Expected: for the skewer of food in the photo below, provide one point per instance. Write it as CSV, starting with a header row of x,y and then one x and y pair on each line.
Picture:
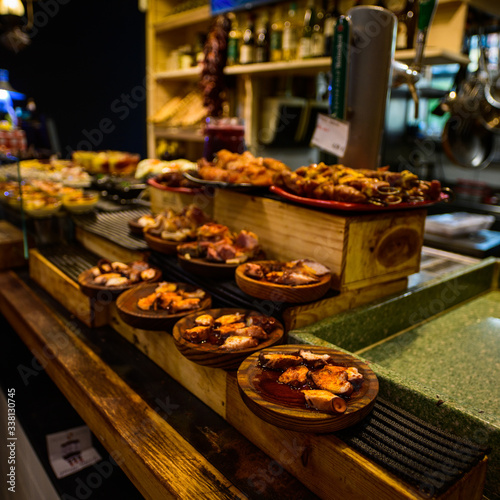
x,y
348,185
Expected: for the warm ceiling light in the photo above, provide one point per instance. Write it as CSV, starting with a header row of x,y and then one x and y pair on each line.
x,y
11,7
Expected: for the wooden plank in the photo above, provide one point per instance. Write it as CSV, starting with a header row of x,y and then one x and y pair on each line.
x,y
286,231
307,314
470,486
66,291
11,246
106,248
448,26
208,384
154,456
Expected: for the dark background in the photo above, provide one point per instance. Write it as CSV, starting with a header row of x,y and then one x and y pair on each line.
x,y
85,68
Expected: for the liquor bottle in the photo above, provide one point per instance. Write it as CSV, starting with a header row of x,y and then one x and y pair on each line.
x,y
276,37
331,16
318,35
305,42
290,34
234,41
406,12
262,38
247,49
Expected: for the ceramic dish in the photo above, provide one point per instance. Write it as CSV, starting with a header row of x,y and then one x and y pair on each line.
x,y
212,355
267,290
445,196
285,407
160,319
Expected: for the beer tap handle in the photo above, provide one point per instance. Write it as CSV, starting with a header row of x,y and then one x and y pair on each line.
x,y
427,9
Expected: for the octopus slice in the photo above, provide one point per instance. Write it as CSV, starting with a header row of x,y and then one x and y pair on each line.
x,y
166,287
184,305
230,329
229,318
325,401
196,334
148,274
119,281
252,331
314,360
353,374
120,267
332,378
237,343
277,361
148,302
294,376
102,279
204,320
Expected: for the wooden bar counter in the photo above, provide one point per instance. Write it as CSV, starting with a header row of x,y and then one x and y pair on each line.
x,y
156,455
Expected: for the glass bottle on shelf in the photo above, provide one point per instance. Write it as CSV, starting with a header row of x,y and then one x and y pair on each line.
x,y
234,41
199,54
276,37
331,16
262,38
318,35
305,42
290,34
406,12
247,49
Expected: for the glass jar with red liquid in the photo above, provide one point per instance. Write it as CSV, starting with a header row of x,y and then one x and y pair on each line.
x,y
223,133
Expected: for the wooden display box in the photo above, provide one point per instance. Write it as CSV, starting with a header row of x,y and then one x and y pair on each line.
x,y
361,250
322,462
66,291
11,246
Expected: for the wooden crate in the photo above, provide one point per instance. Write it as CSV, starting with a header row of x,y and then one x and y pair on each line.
x,y
324,463
11,246
66,291
361,250
162,199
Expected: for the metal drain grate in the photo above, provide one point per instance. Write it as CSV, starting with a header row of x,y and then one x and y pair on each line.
x,y
424,456
113,226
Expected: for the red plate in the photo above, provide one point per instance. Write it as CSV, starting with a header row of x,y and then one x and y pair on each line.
x,y
185,190
356,207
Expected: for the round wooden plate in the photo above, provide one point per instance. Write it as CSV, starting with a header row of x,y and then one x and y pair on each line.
x,y
161,245
105,293
213,355
207,269
285,407
135,227
281,293
152,320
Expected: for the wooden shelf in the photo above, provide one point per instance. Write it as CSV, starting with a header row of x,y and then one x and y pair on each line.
x,y
432,56
179,134
182,19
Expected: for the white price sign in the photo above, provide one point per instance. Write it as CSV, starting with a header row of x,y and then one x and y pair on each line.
x,y
331,135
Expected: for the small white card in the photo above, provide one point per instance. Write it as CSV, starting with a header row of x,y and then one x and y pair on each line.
x,y
331,135
71,451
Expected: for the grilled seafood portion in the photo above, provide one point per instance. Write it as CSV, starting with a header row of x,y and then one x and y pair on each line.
x,y
230,331
108,273
325,386
178,226
344,184
216,243
294,273
242,168
169,297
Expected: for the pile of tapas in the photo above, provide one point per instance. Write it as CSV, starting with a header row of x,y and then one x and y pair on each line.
x,y
157,306
115,277
217,250
222,338
336,184
307,388
173,227
301,280
234,169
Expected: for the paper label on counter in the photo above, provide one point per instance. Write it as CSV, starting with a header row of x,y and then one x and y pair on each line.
x,y
331,135
71,451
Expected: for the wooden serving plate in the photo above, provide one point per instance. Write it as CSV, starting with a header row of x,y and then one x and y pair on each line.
x,y
286,408
161,245
152,320
213,355
281,293
207,269
106,293
135,227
